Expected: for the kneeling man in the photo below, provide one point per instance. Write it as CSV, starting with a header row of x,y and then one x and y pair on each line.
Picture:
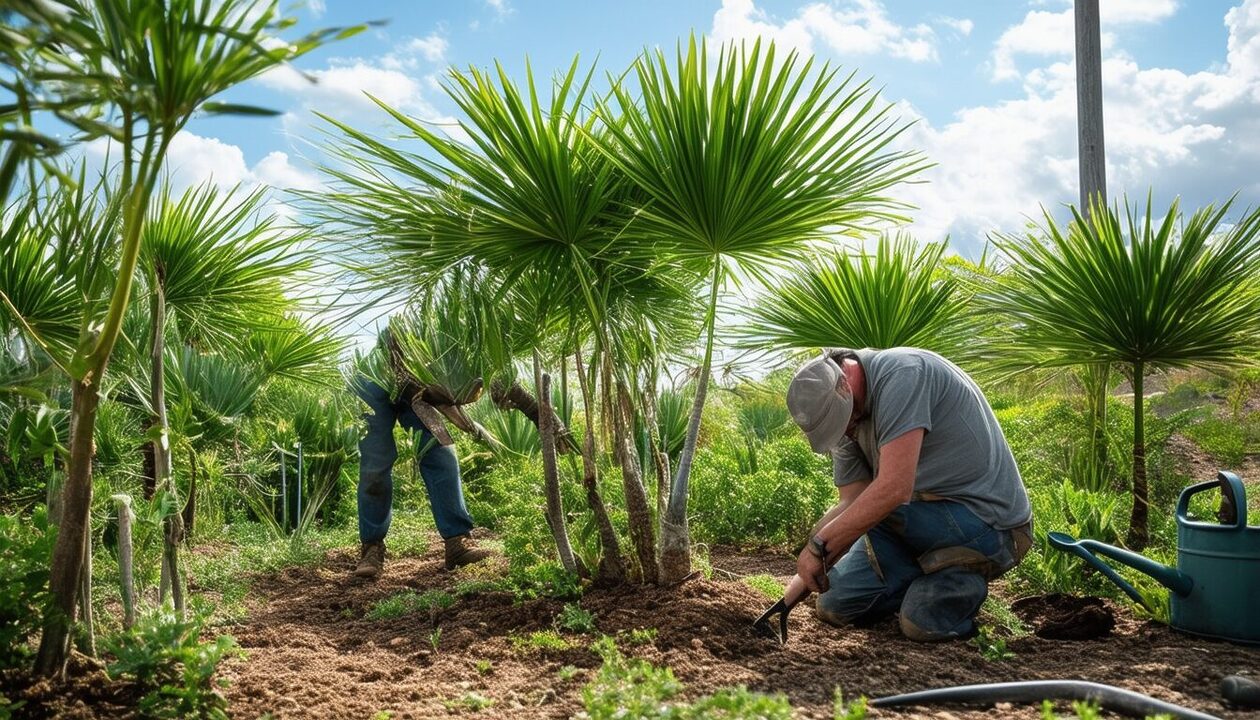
x,y
932,506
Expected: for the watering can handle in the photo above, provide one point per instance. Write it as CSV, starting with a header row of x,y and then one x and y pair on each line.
x,y
1233,495
1075,547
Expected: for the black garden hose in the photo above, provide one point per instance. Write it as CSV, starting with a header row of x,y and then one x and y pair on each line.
x,y
1241,691
1110,698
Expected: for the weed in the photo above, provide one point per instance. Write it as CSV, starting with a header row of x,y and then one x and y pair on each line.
x,y
540,641
638,636
766,585
383,715
483,667
469,701
567,673
407,602
166,657
1001,617
25,546
629,687
852,710
992,647
576,619
435,638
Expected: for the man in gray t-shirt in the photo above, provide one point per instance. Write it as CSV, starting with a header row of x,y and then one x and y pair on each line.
x,y
931,506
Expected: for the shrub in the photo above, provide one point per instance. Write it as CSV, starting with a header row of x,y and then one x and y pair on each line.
x,y
25,546
165,656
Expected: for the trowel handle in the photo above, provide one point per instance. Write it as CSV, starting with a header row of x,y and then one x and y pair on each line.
x,y
795,591
1232,493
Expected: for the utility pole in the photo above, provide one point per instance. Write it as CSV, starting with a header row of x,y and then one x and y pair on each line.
x,y
1089,107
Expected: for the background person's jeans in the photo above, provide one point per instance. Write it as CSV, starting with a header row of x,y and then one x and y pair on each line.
x,y
884,571
439,469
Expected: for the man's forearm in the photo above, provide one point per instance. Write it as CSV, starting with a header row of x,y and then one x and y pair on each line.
x,y
855,518
827,517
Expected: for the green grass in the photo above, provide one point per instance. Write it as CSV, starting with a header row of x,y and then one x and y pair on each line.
x,y
409,601
766,585
473,701
540,641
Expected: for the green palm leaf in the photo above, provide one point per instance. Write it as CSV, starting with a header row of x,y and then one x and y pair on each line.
x,y
901,294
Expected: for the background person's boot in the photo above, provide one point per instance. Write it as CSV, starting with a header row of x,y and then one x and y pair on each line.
x,y
461,550
372,559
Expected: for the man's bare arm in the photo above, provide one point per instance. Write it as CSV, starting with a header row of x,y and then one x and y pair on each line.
x,y
894,486
848,493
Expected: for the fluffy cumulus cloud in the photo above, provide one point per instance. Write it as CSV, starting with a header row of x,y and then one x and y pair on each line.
x,y
403,78
1052,33
193,159
850,28
1190,134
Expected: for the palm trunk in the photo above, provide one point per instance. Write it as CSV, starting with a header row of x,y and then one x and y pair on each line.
x,y
515,397
172,524
551,474
660,459
638,510
67,557
675,538
1138,537
612,568
87,637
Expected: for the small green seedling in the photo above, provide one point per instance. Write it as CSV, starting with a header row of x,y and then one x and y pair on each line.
x,y
484,667
540,641
992,647
638,636
567,673
853,710
469,701
766,585
435,637
574,618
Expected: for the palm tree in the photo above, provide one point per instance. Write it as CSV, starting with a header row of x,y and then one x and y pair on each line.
x,y
529,201
151,64
218,268
901,294
740,170
1135,291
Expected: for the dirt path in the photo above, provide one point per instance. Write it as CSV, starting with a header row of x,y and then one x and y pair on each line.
x,y
312,653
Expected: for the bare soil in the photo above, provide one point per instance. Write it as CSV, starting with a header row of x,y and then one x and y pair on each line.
x,y
313,654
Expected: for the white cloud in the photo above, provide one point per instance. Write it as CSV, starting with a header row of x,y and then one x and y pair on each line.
x,y
962,26
431,47
1189,134
854,27
1046,33
501,7
401,78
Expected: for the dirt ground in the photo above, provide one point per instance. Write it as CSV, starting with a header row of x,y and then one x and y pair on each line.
x,y
312,653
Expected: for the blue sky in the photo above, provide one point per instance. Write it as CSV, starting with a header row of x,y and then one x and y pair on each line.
x,y
989,83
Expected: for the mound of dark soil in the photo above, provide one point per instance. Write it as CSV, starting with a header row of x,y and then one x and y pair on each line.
x,y
1058,616
87,692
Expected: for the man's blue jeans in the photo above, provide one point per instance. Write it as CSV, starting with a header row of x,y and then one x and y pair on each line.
x,y
931,562
439,469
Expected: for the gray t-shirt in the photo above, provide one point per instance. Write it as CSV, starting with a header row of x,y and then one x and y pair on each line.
x,y
964,455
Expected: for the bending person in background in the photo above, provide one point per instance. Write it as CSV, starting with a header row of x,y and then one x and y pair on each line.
x,y
932,506
439,468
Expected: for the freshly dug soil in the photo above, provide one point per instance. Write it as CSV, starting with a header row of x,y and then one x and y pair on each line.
x,y
313,654
87,693
1058,616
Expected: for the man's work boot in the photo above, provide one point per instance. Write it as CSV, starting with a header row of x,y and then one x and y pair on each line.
x,y
371,560
461,550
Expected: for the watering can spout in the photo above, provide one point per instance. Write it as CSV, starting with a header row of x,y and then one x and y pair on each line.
x,y
1171,578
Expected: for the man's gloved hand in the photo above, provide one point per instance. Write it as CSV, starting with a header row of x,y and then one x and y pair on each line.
x,y
813,570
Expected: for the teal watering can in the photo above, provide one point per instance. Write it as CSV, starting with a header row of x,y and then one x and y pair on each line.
x,y
1216,584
